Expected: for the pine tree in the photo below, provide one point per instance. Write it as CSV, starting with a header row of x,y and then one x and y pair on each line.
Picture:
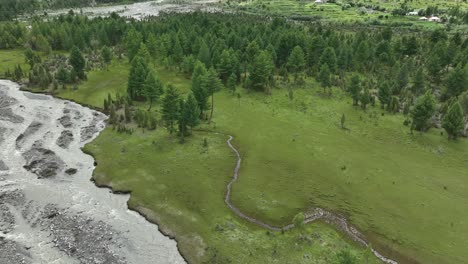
x,y
453,121
418,82
423,111
153,87
190,112
77,61
132,41
178,53
365,98
137,77
204,54
170,107
212,85
355,88
296,61
385,93
260,72
457,81
231,83
324,77
152,45
144,53
225,66
402,77
198,86
106,54
329,57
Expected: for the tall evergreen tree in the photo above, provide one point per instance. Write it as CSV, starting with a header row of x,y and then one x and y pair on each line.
x,y
212,84
355,88
423,111
137,77
457,81
152,45
365,98
106,54
204,54
171,107
132,42
418,82
325,76
385,93
329,57
190,113
296,61
261,71
77,61
153,87
231,83
453,121
198,86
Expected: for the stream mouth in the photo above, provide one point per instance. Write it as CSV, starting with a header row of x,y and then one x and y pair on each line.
x,y
50,211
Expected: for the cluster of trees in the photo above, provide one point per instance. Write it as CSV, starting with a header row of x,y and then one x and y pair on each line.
x,y
226,50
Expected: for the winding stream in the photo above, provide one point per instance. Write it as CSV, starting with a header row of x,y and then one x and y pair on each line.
x,y
50,211
338,221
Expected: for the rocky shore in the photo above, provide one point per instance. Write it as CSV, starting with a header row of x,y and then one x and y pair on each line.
x,y
50,211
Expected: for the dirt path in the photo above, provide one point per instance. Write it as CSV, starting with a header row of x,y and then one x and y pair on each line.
x,y
338,221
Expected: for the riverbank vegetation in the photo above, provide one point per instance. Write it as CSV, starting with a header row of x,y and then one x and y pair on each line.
x,y
368,124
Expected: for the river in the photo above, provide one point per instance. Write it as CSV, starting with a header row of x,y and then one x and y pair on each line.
x,y
141,10
50,211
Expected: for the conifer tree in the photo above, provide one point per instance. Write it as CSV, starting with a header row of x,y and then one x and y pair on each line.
x,y
170,107
355,88
423,111
453,120
324,77
231,83
77,61
198,86
296,61
153,87
212,85
137,77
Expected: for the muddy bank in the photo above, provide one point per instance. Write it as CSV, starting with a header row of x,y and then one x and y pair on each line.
x,y
50,211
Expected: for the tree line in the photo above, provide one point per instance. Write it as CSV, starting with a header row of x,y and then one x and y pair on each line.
x,y
402,73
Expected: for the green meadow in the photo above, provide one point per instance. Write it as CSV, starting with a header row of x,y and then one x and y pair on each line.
x,y
181,187
396,187
9,59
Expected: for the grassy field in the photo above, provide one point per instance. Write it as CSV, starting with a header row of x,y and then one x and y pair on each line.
x,y
10,58
181,186
406,192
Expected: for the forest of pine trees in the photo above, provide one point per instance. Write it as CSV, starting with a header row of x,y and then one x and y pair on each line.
x,y
402,72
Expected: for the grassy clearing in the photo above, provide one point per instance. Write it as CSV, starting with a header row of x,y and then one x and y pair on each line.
x,y
393,185
10,58
407,192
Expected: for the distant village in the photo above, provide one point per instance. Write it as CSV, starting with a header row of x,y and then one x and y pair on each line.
x,y
423,18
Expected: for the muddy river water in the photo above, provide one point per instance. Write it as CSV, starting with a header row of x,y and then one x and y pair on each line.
x,y
50,211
